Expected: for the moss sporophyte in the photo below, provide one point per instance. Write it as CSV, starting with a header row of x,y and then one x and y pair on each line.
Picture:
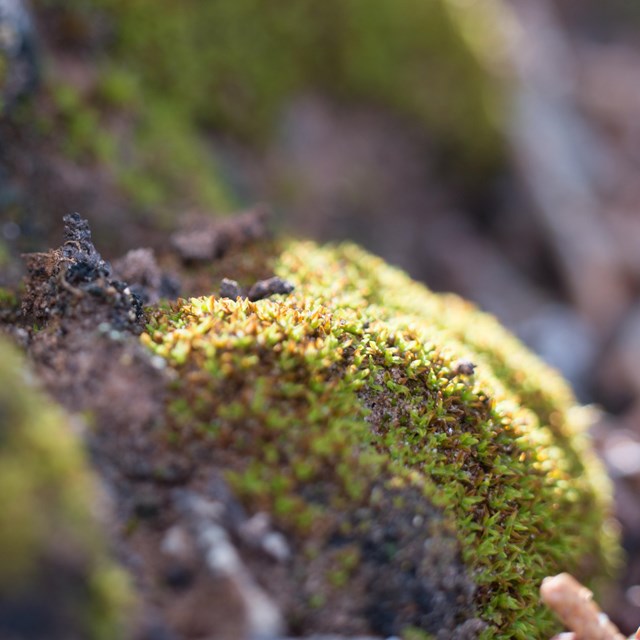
x,y
364,408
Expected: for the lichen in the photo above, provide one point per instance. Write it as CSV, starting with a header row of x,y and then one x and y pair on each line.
x,y
55,568
341,409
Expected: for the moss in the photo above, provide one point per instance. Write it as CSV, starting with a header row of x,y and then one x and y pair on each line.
x,y
85,138
171,160
8,298
340,409
117,88
234,64
417,634
4,69
54,565
173,71
164,163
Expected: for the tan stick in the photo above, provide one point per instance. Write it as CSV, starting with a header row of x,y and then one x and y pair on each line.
x,y
574,605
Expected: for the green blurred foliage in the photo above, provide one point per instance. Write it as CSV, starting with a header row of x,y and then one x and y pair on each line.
x,y
231,66
48,521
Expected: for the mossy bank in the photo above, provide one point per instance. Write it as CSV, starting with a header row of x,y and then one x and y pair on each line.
x,y
56,577
383,426
161,81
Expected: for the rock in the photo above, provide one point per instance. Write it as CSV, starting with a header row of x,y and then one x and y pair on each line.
x,y
206,239
230,289
140,270
205,520
269,287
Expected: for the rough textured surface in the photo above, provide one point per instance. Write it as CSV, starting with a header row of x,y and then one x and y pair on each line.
x,y
73,280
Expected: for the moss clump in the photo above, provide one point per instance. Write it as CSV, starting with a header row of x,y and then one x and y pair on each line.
x,y
342,410
55,570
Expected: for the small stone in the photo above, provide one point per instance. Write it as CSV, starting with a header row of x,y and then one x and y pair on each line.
x,y
463,368
275,544
230,289
265,288
140,270
197,245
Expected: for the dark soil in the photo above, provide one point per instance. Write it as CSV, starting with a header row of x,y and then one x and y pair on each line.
x,y
80,328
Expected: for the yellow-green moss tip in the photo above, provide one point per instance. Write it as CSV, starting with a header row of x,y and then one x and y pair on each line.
x,y
53,557
346,395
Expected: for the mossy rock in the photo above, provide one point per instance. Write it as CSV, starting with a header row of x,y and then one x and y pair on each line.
x,y
56,577
437,494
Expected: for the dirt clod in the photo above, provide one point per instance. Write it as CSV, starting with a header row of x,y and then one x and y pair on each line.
x,y
265,288
259,291
140,269
463,368
230,289
204,239
74,283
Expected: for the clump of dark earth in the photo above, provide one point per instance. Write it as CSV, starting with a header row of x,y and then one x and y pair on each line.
x,y
75,282
259,291
410,580
205,239
140,270
201,565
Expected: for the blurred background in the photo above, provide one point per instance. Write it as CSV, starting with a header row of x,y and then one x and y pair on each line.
x,y
488,147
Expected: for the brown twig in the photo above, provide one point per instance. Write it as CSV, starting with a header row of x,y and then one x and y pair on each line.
x,y
573,604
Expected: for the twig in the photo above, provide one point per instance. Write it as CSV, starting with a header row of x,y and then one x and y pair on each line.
x,y
574,605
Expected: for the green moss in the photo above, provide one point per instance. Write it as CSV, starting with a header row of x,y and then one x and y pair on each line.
x,y
416,634
8,299
85,137
344,398
49,542
173,71
165,162
172,161
4,69
234,64
118,88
